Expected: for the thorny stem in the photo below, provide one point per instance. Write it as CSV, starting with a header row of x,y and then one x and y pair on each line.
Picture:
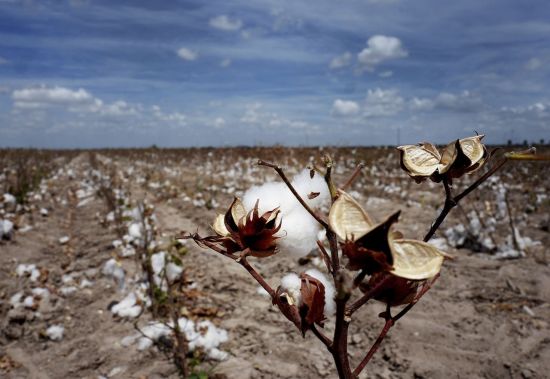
x,y
294,192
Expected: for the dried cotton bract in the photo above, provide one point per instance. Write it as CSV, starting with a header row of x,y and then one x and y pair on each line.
x,y
239,231
456,159
375,248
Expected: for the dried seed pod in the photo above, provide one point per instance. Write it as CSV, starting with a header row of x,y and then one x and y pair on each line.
x,y
460,157
374,247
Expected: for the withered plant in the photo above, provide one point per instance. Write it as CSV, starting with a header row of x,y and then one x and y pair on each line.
x,y
366,259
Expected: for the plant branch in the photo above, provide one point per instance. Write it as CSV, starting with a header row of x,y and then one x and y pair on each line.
x,y
294,192
243,262
451,202
367,296
387,326
322,337
353,176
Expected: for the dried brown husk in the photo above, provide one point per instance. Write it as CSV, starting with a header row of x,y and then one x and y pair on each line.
x,y
460,157
374,248
395,291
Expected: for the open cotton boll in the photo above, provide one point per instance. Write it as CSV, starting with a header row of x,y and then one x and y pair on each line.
x,y
55,332
292,285
173,271
330,305
127,307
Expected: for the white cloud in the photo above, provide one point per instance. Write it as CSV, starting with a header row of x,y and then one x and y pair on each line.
x,y
383,103
187,54
4,60
463,102
380,48
219,122
386,74
421,104
43,97
345,107
533,64
174,117
223,22
225,63
341,61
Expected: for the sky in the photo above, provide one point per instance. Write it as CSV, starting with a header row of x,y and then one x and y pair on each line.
x,y
103,73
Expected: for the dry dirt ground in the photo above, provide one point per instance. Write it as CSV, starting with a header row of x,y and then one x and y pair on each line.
x,y
483,319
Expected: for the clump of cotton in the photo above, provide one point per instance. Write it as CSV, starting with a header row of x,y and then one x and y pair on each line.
x,y
55,332
292,284
330,305
203,335
127,307
299,230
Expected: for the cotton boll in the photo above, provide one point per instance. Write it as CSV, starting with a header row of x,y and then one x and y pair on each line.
x,y
127,308
292,284
298,232
173,271
55,332
134,230
157,262
330,305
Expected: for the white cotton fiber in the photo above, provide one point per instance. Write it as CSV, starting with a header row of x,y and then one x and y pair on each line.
x,y
330,305
127,308
55,332
292,284
299,230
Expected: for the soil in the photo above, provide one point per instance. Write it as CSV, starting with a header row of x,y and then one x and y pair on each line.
x,y
484,318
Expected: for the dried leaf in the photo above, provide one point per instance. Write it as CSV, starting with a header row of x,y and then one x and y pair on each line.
x,y
347,218
313,195
415,260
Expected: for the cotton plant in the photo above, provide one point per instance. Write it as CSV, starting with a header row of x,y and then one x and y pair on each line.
x,y
365,259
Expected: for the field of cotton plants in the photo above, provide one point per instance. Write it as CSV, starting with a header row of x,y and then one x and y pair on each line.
x,y
96,280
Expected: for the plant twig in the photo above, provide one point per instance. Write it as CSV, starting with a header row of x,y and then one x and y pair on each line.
x,y
243,262
353,176
294,192
451,202
367,296
322,337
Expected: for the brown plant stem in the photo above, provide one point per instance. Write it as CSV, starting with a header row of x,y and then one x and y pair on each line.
x,y
451,202
281,173
322,337
340,345
390,322
243,262
367,296
353,176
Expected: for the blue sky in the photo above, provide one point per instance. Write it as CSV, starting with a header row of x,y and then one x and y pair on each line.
x,y
90,73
